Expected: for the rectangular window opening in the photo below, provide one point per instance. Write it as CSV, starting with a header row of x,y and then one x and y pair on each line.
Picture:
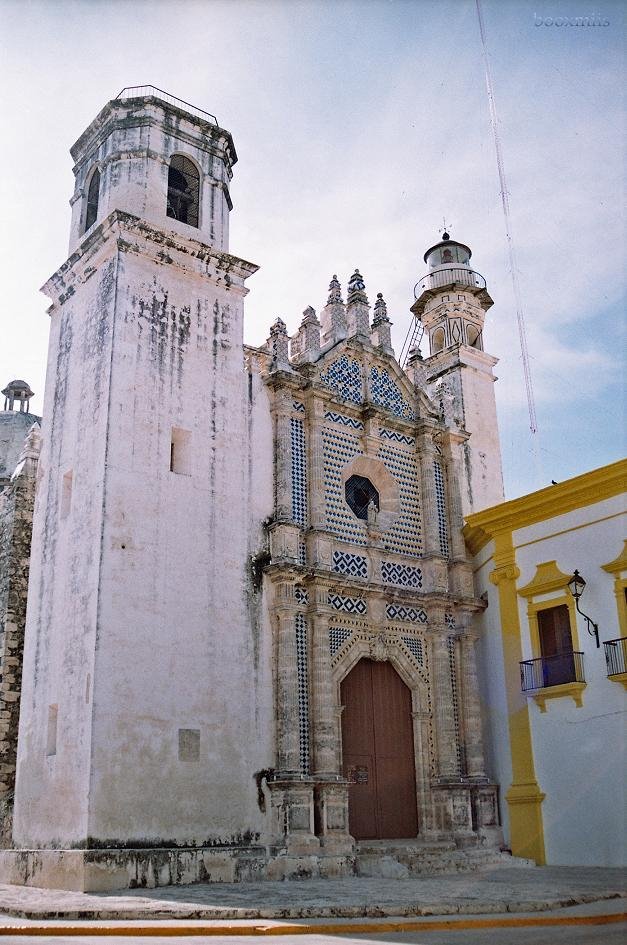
x,y
181,452
189,744
51,736
66,494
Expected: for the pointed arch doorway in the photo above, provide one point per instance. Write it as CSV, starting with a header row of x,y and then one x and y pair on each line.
x,y
378,752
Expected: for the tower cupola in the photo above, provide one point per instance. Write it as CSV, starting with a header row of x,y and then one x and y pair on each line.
x,y
451,298
156,157
17,392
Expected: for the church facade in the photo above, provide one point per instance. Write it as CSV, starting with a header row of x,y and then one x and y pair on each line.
x,y
250,639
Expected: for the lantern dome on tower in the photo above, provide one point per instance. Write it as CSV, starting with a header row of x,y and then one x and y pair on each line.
x,y
447,252
449,270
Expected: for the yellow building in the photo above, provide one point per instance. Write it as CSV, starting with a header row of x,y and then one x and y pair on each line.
x,y
555,706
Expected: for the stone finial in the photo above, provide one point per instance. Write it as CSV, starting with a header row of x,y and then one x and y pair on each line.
x,y
29,456
309,336
416,368
333,315
381,325
278,343
380,311
357,309
335,292
357,288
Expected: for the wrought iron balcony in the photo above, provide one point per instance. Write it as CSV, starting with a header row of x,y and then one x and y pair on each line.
x,y
616,656
552,671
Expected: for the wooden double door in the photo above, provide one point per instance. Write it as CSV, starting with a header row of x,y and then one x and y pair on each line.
x,y
378,752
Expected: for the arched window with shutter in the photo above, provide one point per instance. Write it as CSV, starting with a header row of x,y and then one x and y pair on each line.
x,y
93,194
183,190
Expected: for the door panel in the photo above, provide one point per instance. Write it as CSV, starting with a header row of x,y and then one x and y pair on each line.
x,y
378,751
556,647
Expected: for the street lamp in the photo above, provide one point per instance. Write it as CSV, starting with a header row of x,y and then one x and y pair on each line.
x,y
576,586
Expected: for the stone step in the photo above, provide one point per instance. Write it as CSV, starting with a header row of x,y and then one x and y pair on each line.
x,y
394,847
395,861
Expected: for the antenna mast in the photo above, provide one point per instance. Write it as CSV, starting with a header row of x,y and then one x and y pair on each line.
x,y
522,334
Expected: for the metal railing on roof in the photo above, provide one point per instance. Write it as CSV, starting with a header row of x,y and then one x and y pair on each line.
x,y
452,275
141,91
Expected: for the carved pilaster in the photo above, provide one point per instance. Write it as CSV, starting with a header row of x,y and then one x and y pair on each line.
x,y
446,739
317,503
288,751
471,709
450,444
426,820
426,457
283,453
325,747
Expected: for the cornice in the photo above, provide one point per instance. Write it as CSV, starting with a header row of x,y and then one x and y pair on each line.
x,y
125,232
578,492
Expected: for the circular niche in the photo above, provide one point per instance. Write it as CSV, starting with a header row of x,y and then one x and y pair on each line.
x,y
366,479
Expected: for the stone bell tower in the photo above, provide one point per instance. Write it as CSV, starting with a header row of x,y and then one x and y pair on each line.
x,y
142,722
451,302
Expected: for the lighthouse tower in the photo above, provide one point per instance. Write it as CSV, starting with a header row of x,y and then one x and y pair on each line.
x,y
139,645
451,302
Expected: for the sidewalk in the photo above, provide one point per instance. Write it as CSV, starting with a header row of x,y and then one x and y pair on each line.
x,y
491,892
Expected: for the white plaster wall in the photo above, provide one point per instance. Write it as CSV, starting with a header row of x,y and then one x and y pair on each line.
x,y
176,647
579,752
260,493
52,791
482,452
492,690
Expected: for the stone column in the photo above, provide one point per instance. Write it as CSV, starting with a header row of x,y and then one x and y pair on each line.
x,y
421,719
325,748
288,749
453,495
471,710
317,506
283,464
446,739
426,458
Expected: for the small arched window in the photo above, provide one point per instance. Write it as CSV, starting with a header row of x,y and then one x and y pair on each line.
x,y
183,190
93,193
474,336
437,341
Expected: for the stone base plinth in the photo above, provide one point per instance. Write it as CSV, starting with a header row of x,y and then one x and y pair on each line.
x,y
106,870
103,870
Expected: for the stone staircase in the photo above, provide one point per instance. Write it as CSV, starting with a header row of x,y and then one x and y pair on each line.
x,y
395,859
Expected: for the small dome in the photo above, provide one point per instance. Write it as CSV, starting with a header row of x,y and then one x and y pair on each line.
x,y
18,387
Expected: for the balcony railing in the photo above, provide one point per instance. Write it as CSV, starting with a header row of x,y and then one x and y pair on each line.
x,y
551,671
616,656
443,277
151,91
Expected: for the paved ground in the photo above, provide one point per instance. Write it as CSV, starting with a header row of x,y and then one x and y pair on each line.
x,y
493,891
590,924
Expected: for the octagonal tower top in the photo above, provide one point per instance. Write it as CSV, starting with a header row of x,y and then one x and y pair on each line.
x,y
156,157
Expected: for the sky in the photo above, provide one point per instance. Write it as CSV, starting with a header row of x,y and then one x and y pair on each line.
x,y
359,126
